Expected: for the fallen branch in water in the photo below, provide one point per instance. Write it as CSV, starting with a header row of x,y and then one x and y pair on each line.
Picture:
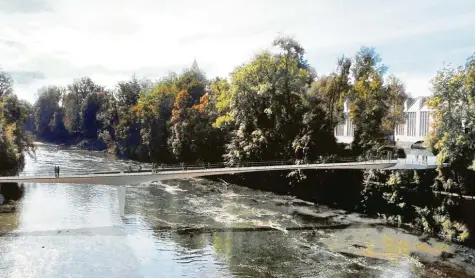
x,y
223,181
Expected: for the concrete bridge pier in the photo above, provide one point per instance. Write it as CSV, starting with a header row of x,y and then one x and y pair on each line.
x,y
121,191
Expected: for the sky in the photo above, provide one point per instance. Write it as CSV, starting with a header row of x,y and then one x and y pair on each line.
x,y
53,42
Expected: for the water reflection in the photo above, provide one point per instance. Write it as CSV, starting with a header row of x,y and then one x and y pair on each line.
x,y
199,228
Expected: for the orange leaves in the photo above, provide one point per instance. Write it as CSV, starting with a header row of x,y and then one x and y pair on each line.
x,y
137,108
180,105
203,103
182,99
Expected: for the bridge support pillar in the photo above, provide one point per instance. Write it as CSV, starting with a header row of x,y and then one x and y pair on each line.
x,y
121,191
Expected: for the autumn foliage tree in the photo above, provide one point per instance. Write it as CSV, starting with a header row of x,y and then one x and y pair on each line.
x,y
14,140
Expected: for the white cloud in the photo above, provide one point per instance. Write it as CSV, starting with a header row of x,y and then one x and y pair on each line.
x,y
416,85
111,39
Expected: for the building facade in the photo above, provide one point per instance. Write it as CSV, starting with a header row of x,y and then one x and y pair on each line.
x,y
415,128
344,130
417,123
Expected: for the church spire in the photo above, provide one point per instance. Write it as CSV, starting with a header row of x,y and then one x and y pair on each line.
x,y
195,67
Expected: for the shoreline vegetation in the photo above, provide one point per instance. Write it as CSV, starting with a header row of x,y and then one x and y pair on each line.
x,y
272,107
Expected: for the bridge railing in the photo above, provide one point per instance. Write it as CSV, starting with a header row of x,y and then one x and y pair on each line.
x,y
203,166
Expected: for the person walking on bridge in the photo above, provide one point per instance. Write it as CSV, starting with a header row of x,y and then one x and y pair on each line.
x,y
57,170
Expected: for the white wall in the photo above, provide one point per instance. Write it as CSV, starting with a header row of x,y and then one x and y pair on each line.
x,y
417,107
345,137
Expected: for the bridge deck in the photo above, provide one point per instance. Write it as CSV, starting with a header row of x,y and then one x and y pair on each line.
x,y
142,177
128,178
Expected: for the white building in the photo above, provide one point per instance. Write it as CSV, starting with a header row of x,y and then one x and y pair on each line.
x,y
415,128
344,131
417,123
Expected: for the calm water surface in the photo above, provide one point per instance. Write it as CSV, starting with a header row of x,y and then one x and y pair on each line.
x,y
199,228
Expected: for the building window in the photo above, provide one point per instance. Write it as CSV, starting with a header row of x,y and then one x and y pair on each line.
x,y
411,124
424,123
340,129
401,127
349,126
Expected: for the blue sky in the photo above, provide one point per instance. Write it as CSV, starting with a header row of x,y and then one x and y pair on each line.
x,y
55,41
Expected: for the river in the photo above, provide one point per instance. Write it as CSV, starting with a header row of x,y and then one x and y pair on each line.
x,y
199,228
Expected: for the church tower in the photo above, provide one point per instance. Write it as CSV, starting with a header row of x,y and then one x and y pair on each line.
x,y
195,67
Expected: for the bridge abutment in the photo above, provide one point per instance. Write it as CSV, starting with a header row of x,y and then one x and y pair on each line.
x,y
121,191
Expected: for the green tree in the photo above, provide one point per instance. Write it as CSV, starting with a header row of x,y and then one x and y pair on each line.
x,y
210,139
316,137
90,123
452,134
108,117
266,103
57,127
127,131
332,90
395,100
181,141
452,102
14,140
221,95
46,111
194,82
368,101
128,92
6,84
154,110
30,119
74,107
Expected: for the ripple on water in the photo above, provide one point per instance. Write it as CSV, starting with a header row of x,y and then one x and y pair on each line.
x,y
173,190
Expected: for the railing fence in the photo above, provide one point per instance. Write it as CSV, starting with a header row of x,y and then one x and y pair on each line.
x,y
216,165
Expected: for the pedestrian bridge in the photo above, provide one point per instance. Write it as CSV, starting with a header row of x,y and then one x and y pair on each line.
x,y
124,178
189,171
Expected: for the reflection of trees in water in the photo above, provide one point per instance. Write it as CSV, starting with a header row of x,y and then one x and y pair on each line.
x,y
190,241
256,254
222,243
9,222
275,254
12,191
9,219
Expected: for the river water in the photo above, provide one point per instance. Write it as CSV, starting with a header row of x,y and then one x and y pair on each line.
x,y
199,228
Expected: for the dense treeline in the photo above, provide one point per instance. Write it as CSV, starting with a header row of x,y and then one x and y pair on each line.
x,y
274,107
